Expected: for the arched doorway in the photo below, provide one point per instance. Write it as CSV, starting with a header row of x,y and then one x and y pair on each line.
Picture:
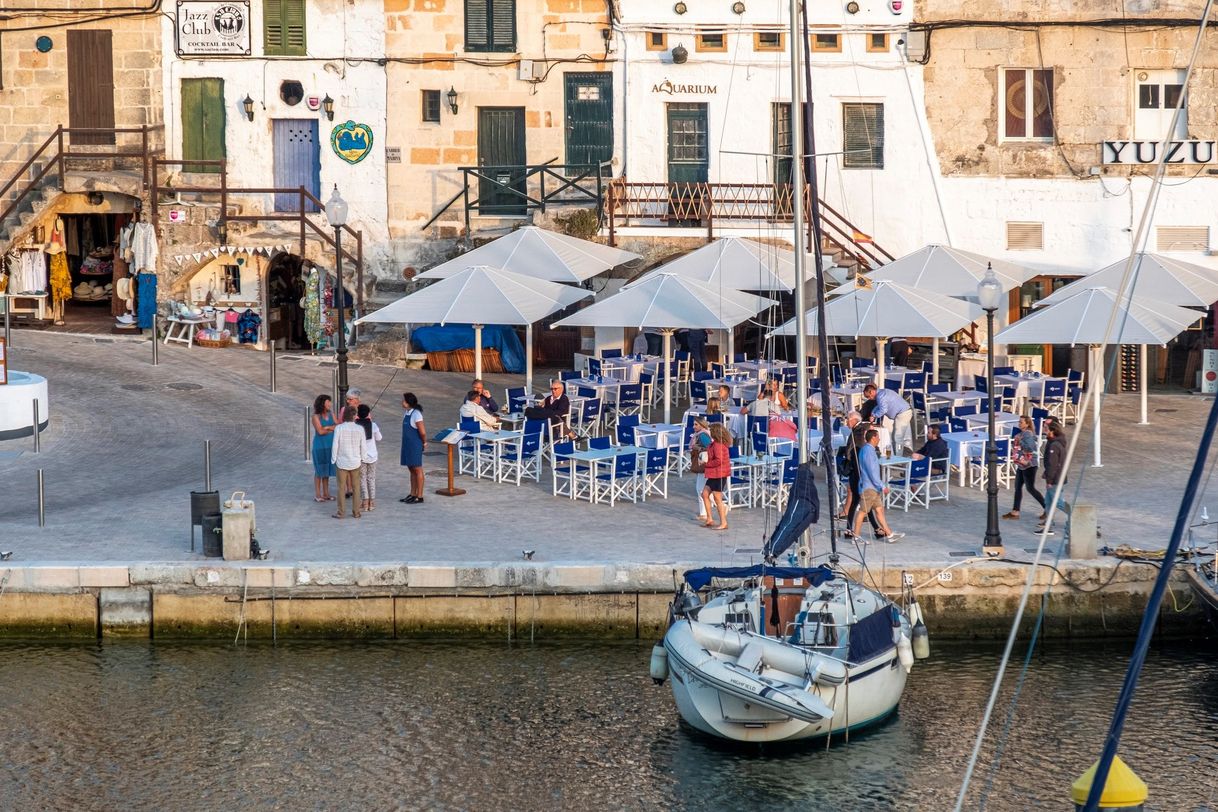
x,y
285,288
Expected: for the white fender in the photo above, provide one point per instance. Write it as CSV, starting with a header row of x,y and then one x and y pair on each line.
x,y
774,654
905,652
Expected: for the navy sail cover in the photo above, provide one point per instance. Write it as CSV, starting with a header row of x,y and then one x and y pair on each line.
x,y
803,511
700,578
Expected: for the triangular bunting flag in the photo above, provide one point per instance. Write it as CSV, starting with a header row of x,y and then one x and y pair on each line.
x,y
198,257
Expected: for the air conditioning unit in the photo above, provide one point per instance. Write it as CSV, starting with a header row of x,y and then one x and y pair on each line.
x,y
530,70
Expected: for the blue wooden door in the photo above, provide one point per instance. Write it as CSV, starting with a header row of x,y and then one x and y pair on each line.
x,y
297,162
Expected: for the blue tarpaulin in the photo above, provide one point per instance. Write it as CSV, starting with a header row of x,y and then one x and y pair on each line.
x,y
448,337
700,578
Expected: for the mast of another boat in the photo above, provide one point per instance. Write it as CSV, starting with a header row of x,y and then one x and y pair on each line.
x,y
801,123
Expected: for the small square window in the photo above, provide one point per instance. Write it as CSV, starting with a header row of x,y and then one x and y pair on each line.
x,y
767,41
827,43
877,43
716,41
657,41
431,105
588,93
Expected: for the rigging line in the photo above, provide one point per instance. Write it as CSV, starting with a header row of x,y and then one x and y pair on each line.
x,y
1092,392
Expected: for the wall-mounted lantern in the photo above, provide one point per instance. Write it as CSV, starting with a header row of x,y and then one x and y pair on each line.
x,y
452,99
248,104
327,104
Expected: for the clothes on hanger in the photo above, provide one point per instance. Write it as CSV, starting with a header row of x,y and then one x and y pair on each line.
x,y
143,248
27,269
248,324
145,299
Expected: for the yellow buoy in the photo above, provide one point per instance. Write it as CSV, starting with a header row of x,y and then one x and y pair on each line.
x,y
1123,790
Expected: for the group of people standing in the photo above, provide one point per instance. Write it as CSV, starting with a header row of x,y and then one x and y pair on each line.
x,y
345,448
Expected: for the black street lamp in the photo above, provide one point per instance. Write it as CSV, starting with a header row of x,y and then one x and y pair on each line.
x,y
336,214
989,293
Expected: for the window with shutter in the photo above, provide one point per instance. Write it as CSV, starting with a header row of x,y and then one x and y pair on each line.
x,y
1024,115
283,27
863,135
490,25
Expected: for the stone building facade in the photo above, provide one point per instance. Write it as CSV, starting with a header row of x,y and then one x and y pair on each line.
x,y
531,82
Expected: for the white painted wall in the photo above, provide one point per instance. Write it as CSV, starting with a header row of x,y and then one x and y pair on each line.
x,y
340,34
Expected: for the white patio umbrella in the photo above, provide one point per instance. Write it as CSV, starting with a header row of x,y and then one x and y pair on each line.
x,y
1155,278
735,263
949,272
670,302
541,254
889,309
1087,318
481,295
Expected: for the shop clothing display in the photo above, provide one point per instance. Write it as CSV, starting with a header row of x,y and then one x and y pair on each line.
x,y
27,270
313,311
248,324
118,303
145,299
61,279
143,248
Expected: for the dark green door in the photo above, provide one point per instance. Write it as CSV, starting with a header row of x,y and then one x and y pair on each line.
x,y
687,163
501,157
202,122
589,118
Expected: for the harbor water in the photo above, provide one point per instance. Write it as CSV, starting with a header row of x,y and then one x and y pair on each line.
x,y
456,725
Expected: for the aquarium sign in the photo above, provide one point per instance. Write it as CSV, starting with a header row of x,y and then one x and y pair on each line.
x,y
213,28
352,142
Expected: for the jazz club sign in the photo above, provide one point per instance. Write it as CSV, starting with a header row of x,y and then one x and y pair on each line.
x,y
1147,152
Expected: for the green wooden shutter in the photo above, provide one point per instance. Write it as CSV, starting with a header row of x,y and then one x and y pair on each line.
x,y
203,122
503,25
283,27
477,25
863,131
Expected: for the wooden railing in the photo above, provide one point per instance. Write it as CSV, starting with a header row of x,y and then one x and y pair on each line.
x,y
55,157
518,189
307,204
702,205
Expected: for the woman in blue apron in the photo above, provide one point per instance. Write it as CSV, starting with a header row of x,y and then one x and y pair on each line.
x,y
414,439
323,447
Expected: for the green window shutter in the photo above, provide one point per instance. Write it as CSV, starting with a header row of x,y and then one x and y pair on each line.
x,y
203,119
477,25
863,131
294,27
283,27
503,25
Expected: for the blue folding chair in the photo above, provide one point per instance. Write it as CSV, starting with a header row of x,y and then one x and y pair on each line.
x,y
655,473
601,443
620,482
516,398
932,388
611,353
594,367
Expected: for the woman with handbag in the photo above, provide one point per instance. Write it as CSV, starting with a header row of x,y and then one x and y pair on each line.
x,y
1023,454
699,442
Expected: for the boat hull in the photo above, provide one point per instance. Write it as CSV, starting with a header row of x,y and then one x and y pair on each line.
x,y
871,692
1206,594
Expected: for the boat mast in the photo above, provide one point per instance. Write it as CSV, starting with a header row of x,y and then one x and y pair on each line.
x,y
797,211
798,34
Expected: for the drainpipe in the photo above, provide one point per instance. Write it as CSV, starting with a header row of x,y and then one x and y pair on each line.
x,y
625,42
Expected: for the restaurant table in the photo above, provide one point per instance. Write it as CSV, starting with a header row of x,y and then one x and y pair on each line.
x,y
960,444
745,390
659,435
606,389
897,466
629,367
735,422
754,468
595,458
495,439
761,370
1003,421
1026,387
955,397
847,398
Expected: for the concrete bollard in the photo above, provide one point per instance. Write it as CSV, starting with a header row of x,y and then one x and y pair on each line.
x,y
155,349
37,438
308,424
272,354
42,500
1083,526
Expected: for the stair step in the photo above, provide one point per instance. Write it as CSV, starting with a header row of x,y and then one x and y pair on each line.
x,y
392,285
26,217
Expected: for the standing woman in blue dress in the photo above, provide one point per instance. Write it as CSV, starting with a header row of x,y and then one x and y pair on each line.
x,y
323,446
414,439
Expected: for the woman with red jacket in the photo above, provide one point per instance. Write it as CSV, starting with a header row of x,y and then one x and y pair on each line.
x,y
718,469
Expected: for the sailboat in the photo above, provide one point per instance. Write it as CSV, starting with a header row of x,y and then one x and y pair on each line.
x,y
783,653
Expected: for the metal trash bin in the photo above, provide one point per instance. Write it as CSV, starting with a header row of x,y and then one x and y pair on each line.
x,y
202,503
213,540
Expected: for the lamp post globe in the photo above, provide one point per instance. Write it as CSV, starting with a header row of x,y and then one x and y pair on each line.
x,y
989,294
336,215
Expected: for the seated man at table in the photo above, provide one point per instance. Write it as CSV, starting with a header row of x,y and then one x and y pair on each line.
x,y
897,415
935,448
871,487
472,409
557,409
762,407
725,396
484,396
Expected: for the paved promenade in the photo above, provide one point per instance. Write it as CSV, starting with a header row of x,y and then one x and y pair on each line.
x,y
125,448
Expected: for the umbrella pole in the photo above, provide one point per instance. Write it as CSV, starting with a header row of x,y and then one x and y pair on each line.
x,y
528,359
1142,382
934,360
477,350
1097,380
879,362
731,346
667,376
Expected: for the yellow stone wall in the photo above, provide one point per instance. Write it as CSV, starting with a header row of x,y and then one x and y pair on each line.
x,y
424,43
1093,73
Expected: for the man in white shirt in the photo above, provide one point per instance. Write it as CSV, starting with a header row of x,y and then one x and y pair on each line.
x,y
472,409
350,446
